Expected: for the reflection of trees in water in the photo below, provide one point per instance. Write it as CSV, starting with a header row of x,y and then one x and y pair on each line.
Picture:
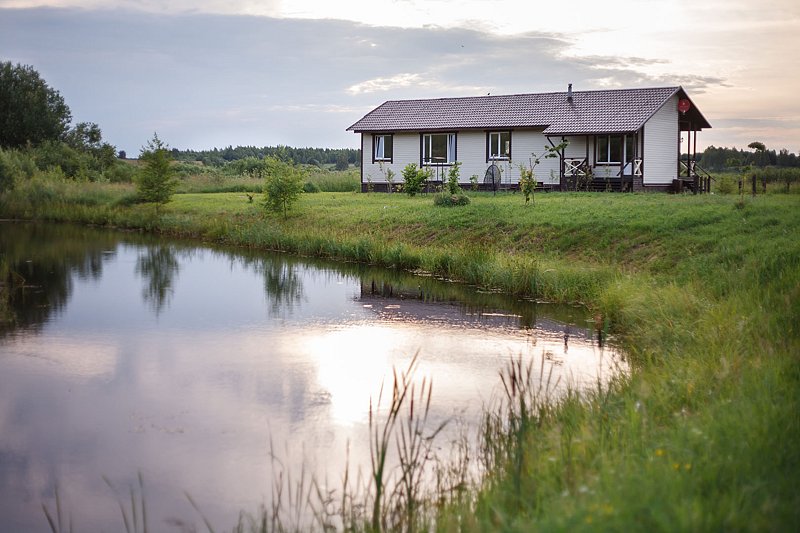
x,y
37,262
283,286
158,266
283,279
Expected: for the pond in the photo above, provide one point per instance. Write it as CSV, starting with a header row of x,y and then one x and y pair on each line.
x,y
124,355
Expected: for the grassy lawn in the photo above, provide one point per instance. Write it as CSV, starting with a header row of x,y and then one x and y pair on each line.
x,y
702,291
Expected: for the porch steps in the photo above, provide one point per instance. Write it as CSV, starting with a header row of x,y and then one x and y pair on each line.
x,y
600,185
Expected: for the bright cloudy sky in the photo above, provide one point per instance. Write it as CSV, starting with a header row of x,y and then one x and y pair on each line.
x,y
209,73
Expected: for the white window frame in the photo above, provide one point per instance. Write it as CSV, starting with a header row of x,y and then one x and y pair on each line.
x,y
427,147
379,148
495,149
605,159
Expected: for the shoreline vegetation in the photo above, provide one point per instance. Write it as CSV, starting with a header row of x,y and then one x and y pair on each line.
x,y
702,293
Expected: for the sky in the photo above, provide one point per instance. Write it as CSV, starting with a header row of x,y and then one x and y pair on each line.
x,y
213,73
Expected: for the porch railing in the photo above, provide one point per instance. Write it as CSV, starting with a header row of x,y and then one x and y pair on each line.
x,y
575,168
638,167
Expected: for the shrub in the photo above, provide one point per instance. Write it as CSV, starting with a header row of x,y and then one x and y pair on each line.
x,y
8,173
414,179
120,173
726,184
450,200
452,179
310,186
14,167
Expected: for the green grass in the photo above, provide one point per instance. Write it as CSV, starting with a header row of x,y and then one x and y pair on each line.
x,y
703,292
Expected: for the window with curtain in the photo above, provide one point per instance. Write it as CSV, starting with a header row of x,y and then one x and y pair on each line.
x,y
499,143
383,149
438,148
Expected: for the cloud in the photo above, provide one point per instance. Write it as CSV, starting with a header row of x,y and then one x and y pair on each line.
x,y
385,84
213,80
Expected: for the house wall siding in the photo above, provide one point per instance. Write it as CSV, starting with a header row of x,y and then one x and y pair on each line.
x,y
471,152
661,145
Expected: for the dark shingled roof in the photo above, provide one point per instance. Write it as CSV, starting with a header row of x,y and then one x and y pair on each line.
x,y
606,111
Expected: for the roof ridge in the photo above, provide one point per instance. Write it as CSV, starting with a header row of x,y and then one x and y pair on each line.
x,y
512,95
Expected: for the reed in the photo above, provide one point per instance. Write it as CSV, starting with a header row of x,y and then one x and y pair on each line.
x,y
134,518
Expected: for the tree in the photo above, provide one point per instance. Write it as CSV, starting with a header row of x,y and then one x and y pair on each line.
x,y
156,182
760,149
341,161
30,110
86,137
283,186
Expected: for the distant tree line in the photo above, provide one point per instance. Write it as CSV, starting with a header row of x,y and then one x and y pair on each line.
x,y
219,157
714,158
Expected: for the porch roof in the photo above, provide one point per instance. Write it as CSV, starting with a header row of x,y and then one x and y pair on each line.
x,y
589,112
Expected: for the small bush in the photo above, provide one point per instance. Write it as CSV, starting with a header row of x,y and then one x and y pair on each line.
x,y
310,186
15,166
452,179
449,200
120,173
414,179
726,184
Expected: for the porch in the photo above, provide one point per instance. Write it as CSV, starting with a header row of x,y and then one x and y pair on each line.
x,y
577,174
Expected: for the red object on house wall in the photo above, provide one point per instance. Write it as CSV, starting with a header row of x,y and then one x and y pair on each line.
x,y
684,105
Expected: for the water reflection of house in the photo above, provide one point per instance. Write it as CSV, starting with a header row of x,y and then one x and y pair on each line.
x,y
410,303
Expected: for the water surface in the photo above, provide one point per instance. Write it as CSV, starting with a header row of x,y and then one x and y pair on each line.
x,y
123,354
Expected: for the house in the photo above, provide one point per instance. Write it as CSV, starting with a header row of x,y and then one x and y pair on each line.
x,y
618,139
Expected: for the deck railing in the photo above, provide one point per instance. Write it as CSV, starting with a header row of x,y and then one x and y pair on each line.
x,y
638,167
575,167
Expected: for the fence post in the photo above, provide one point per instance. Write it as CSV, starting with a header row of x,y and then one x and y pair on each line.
x,y
764,184
754,184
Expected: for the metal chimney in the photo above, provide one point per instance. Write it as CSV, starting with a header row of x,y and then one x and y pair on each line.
x,y
569,93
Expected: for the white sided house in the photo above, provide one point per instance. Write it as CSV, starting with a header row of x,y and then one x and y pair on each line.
x,y
621,139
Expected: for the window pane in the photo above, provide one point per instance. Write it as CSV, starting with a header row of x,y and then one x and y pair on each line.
x,y
383,147
438,148
387,147
505,143
629,148
602,149
615,151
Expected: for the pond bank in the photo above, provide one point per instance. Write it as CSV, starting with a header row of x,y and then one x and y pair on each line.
x,y
703,293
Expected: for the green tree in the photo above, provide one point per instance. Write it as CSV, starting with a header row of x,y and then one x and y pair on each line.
x,y
760,159
283,185
341,161
30,110
156,182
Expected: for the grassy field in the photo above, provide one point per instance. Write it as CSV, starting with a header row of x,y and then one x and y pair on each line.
x,y
702,291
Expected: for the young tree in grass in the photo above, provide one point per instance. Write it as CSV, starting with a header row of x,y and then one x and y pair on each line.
x,y
155,181
283,186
